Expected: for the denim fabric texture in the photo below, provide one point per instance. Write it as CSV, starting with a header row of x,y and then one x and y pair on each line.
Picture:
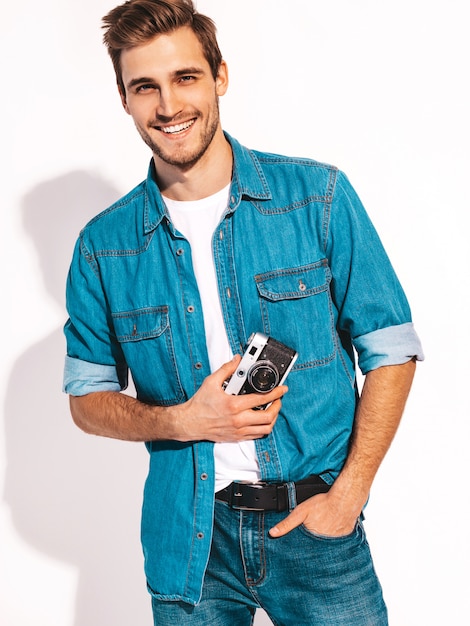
x,y
297,258
301,578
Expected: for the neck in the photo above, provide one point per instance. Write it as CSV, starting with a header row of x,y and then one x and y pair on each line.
x,y
211,173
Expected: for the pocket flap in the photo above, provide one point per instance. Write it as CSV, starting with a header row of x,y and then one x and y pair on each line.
x,y
296,282
141,324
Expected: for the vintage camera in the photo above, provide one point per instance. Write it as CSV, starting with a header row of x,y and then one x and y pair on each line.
x,y
264,365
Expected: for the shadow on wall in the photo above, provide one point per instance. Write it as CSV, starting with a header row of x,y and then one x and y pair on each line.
x,y
73,497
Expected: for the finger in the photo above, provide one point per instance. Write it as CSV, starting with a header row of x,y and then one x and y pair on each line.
x,y
253,400
294,519
249,424
226,370
277,393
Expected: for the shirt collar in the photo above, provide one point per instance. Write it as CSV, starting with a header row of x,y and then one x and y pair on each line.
x,y
248,181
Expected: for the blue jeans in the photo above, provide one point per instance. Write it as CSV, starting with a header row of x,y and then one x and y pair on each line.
x,y
298,579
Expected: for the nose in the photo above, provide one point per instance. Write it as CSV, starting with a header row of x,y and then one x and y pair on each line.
x,y
169,104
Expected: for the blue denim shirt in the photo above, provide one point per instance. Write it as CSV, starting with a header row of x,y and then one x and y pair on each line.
x,y
296,258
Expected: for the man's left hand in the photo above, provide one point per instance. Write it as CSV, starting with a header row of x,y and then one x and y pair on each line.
x,y
321,515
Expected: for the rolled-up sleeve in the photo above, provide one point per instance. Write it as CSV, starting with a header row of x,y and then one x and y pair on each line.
x,y
81,377
393,345
372,306
94,360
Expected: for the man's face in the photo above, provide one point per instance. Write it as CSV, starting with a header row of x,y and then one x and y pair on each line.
x,y
172,96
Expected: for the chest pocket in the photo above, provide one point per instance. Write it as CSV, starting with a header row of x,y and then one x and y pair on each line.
x,y
146,340
296,308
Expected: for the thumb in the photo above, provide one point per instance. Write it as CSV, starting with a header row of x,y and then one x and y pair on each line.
x,y
227,369
294,519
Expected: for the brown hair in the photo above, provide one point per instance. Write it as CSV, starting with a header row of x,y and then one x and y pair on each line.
x,y
137,21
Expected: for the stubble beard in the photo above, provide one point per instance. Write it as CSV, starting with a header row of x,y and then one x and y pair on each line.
x,y
185,158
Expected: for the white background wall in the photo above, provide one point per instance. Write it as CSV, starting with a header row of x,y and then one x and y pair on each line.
x,y
379,89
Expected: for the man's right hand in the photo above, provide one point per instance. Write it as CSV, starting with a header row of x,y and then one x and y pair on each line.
x,y
213,415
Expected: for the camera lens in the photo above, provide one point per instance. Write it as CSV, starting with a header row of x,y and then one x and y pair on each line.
x,y
263,376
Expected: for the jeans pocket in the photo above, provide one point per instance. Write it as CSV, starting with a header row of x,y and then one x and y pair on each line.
x,y
314,535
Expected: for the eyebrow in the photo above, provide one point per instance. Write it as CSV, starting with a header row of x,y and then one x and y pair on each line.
x,y
188,70
177,74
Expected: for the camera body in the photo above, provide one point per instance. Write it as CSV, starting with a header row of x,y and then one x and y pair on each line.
x,y
264,365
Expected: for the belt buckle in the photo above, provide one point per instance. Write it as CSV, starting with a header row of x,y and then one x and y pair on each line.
x,y
237,491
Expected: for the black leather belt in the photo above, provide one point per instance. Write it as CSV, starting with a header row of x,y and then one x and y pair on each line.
x,y
269,496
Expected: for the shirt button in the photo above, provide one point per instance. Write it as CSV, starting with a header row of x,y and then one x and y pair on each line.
x,y
190,309
204,476
200,535
228,292
180,251
198,365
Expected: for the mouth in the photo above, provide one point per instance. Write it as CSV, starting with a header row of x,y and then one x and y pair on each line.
x,y
176,129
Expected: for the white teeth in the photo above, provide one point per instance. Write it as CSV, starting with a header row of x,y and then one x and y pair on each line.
x,y
178,128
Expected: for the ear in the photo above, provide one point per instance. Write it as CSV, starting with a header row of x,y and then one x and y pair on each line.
x,y
122,95
221,82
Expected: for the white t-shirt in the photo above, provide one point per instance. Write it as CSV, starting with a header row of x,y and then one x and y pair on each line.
x,y
197,220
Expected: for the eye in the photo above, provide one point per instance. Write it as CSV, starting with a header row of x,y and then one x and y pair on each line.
x,y
187,79
145,88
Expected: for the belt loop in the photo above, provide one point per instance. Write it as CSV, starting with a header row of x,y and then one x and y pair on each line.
x,y
291,495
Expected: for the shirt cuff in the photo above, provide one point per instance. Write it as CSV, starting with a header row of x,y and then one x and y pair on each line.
x,y
81,377
393,345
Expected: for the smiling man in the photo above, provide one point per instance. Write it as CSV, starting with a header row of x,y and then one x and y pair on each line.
x,y
243,508
168,88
